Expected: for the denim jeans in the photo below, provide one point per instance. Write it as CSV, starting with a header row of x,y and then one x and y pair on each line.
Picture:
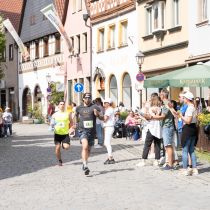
x,y
189,147
6,126
168,135
100,134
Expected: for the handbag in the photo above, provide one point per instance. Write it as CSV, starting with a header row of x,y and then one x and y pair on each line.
x,y
136,135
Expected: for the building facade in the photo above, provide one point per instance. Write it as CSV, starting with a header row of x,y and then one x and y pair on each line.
x,y
78,62
199,37
46,61
163,37
9,83
114,41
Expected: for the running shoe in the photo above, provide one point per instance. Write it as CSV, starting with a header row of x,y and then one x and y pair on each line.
x,y
86,170
60,162
195,172
108,161
167,168
112,161
185,172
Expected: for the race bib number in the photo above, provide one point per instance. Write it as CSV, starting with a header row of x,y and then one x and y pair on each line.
x,y
88,124
61,125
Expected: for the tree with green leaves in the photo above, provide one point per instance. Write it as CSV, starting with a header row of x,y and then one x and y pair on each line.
x,y
56,96
2,46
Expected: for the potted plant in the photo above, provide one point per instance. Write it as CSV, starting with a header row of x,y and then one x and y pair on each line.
x,y
37,114
30,111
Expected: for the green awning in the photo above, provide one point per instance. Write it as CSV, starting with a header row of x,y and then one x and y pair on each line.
x,y
192,76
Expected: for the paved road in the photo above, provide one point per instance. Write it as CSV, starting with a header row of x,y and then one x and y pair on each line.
x,y
31,180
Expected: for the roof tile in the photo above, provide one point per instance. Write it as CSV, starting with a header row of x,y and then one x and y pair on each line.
x,y
12,9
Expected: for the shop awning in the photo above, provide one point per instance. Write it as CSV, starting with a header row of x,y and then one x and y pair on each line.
x,y
192,76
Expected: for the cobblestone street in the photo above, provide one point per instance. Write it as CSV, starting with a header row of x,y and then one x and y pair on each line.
x,y
30,178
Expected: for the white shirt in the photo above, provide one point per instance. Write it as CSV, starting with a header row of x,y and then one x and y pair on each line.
x,y
111,120
154,125
7,117
191,112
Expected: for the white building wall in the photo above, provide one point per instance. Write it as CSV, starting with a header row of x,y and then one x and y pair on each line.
x,y
45,65
199,39
120,60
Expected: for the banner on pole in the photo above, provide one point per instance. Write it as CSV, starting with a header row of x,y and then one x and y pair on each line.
x,y
52,15
8,25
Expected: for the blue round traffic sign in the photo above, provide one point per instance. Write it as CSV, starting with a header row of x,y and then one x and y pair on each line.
x,y
78,87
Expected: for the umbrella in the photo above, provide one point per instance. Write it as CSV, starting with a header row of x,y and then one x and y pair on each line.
x,y
192,76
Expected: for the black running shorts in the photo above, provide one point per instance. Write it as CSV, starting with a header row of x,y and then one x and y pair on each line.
x,y
61,138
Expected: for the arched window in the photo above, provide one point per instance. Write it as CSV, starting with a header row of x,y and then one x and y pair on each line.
x,y
113,90
26,101
127,91
37,94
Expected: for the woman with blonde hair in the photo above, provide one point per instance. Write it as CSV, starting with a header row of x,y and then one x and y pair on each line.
x,y
154,133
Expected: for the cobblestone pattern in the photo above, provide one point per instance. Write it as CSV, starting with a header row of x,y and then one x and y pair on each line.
x,y
31,180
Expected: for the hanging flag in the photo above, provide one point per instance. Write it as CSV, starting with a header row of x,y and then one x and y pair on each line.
x,y
52,15
8,25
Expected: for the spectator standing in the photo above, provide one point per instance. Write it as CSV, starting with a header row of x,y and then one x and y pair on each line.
x,y
154,133
50,111
99,125
7,121
183,109
167,123
109,121
189,135
1,122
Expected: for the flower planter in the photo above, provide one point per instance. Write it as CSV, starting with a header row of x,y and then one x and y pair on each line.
x,y
38,121
203,140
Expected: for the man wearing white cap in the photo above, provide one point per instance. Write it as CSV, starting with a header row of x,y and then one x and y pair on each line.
x,y
7,121
109,121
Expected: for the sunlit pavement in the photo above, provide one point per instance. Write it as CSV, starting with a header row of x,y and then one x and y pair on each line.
x,y
30,178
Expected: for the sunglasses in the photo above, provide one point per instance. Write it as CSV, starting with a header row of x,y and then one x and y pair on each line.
x,y
87,98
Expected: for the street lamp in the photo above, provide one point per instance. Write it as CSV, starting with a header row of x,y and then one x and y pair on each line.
x,y
140,76
139,59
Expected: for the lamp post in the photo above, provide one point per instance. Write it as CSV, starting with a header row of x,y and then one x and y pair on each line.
x,y
140,76
85,18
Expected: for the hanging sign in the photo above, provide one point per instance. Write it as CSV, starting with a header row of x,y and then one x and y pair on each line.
x,y
8,25
52,15
140,77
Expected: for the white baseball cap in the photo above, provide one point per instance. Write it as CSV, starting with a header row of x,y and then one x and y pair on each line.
x,y
108,100
188,95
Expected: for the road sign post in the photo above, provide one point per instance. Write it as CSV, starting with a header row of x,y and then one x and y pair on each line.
x,y
78,87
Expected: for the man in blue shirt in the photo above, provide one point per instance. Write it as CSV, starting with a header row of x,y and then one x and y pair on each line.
x,y
183,108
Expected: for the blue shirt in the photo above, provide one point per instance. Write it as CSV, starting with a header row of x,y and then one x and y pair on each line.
x,y
180,121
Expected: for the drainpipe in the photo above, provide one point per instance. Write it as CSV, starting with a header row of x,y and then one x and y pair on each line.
x,y
85,18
